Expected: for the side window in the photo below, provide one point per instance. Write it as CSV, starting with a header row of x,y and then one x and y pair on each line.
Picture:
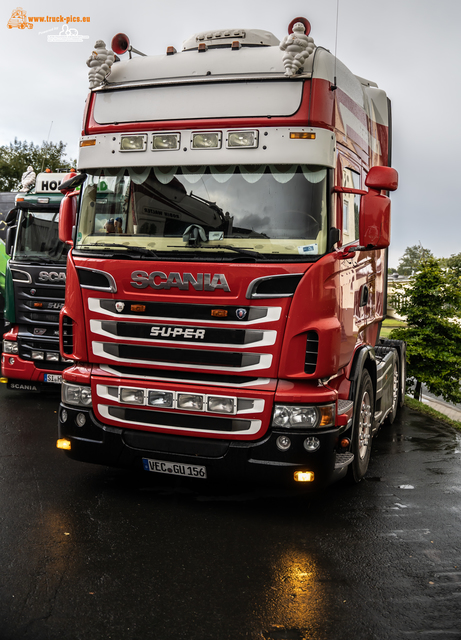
x,y
351,206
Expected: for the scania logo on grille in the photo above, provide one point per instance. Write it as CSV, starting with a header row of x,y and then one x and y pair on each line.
x,y
119,306
241,313
177,332
52,276
159,280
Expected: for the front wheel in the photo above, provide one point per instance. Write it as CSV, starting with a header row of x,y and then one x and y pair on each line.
x,y
363,423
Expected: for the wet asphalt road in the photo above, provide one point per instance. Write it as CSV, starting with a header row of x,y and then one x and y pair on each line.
x,y
90,553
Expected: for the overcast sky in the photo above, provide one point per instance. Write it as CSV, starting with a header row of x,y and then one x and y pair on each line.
x,y
410,48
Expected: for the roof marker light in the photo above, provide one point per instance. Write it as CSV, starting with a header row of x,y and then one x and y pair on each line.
x,y
202,47
239,139
170,51
166,141
133,143
206,140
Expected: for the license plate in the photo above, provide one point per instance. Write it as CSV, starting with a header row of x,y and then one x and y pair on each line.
x,y
174,468
52,377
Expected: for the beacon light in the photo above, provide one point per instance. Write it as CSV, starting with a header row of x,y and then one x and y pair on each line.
x,y
239,139
219,404
132,396
207,140
166,141
190,401
158,398
304,476
133,143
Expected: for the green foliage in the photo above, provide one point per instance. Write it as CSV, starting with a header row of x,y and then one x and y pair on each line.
x,y
431,304
411,259
17,156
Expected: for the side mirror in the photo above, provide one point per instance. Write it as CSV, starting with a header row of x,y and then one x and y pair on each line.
x,y
10,239
67,214
375,209
382,179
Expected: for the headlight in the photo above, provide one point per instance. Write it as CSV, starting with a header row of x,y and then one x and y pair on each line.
x,y
10,347
76,394
302,417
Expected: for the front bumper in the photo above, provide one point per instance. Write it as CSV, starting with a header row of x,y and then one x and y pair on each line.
x,y
259,461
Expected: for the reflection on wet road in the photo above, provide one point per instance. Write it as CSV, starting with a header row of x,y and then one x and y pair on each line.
x,y
89,553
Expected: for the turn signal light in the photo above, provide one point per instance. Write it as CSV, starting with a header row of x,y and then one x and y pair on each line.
x,y
304,476
88,143
302,135
345,442
65,444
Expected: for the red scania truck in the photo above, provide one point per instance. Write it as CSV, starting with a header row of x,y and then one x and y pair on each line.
x,y
227,277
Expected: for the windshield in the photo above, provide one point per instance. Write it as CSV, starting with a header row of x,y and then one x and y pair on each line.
x,y
37,238
266,211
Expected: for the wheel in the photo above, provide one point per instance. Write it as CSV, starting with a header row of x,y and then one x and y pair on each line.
x,y
395,391
363,422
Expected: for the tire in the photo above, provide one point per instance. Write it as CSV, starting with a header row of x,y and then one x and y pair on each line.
x,y
395,391
363,423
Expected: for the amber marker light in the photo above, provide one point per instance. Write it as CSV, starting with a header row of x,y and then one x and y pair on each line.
x,y
64,443
304,476
138,307
302,135
3,380
219,313
88,143
345,442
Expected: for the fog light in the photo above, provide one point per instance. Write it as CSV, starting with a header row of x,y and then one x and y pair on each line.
x,y
64,415
221,405
133,143
132,396
80,419
283,443
38,355
189,401
304,476
160,398
166,142
65,444
11,360
311,444
242,139
209,140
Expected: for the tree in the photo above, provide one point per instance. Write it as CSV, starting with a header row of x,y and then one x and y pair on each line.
x,y
411,259
17,156
431,304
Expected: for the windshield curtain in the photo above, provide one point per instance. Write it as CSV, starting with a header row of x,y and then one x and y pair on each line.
x,y
37,238
269,209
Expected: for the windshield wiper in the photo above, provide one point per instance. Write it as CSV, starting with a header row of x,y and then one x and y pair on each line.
x,y
129,250
244,252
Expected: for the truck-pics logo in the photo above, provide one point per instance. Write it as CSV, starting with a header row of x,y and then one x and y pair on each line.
x,y
19,20
159,280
